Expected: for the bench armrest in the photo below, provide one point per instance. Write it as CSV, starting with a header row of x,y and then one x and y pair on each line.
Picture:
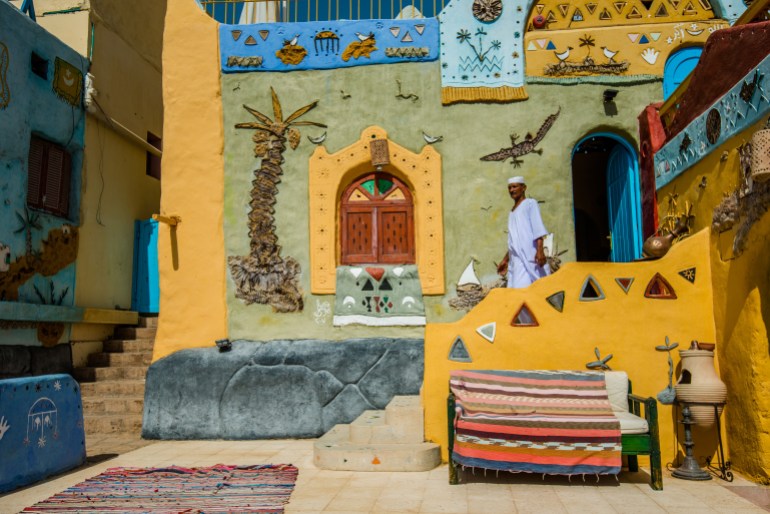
x,y
650,407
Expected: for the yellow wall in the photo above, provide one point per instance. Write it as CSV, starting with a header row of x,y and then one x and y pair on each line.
x,y
741,309
629,326
191,257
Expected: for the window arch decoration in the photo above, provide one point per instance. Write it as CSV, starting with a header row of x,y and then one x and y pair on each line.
x,y
331,174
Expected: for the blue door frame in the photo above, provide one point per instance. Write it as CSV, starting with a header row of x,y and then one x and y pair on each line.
x,y
678,65
623,198
145,293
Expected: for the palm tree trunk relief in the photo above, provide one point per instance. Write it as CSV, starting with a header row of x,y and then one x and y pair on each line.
x,y
264,276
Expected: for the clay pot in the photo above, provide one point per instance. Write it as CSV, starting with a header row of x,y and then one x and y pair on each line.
x,y
699,383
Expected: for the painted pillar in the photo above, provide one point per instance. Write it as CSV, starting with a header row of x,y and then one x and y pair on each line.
x,y
191,257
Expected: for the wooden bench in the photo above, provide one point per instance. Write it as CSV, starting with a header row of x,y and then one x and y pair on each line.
x,y
638,418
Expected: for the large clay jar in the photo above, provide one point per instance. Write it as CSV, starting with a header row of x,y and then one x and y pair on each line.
x,y
699,383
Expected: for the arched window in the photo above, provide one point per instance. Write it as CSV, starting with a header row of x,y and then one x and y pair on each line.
x,y
678,66
376,221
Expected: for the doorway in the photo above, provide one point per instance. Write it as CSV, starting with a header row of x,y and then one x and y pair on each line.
x,y
606,199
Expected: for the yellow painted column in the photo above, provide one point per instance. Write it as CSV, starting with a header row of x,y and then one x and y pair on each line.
x,y
191,259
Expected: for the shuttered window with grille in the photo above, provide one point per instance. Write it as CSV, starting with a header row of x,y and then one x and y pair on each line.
x,y
48,177
376,221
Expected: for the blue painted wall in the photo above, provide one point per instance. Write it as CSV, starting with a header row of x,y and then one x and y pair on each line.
x,y
29,104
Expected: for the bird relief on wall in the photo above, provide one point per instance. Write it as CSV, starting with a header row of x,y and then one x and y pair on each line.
x,y
481,51
528,145
608,65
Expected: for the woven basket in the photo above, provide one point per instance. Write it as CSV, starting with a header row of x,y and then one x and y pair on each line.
x,y
760,156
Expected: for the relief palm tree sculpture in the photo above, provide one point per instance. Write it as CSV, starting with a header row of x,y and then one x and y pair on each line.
x,y
264,276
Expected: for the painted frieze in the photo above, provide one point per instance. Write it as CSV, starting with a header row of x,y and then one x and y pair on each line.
x,y
326,44
481,51
612,38
746,103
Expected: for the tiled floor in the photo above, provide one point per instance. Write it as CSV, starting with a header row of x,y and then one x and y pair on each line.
x,y
424,492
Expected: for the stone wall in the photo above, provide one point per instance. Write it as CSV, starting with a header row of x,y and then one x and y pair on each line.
x,y
276,389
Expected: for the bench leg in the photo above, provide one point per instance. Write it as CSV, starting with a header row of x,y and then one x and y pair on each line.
x,y
633,463
656,472
454,473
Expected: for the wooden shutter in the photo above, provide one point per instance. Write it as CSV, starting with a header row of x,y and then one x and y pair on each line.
x,y
395,241
35,172
359,236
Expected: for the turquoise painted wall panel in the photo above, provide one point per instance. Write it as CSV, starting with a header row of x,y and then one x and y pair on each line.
x,y
49,105
41,429
488,54
326,44
745,104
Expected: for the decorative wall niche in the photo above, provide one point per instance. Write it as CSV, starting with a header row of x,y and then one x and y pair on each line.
x,y
331,174
658,288
524,318
591,290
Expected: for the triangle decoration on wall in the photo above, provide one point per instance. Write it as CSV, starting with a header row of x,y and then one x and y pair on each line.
x,y
458,352
619,6
488,331
236,34
263,34
531,46
634,13
250,41
407,38
625,283
591,8
524,318
591,290
655,35
605,15
563,8
688,274
550,46
556,301
643,40
659,289
633,37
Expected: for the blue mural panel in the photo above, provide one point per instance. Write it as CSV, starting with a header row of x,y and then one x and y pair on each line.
x,y
476,53
41,429
745,104
326,45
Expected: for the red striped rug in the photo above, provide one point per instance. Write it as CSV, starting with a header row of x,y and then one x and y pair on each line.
x,y
220,488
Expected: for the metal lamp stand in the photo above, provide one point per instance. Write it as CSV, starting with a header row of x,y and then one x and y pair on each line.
x,y
690,469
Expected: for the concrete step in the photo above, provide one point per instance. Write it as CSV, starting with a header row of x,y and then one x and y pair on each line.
x,y
400,422
362,429
113,405
335,451
134,333
128,345
103,359
148,321
112,388
91,374
112,424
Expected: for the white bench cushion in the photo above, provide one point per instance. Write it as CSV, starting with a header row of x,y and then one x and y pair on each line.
x,y
617,390
631,424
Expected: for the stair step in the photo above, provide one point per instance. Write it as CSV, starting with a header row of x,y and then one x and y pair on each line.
x,y
113,405
91,374
148,321
335,451
112,424
134,333
128,345
112,388
361,430
103,359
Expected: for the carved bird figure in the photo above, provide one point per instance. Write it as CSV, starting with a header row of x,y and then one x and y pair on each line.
x,y
364,37
524,147
292,41
432,139
609,54
562,56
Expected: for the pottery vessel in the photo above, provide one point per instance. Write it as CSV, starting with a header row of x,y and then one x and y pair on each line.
x,y
700,384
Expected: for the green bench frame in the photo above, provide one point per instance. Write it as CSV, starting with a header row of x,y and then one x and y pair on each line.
x,y
633,445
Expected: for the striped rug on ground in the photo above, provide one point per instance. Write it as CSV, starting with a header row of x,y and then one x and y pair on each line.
x,y
553,422
220,488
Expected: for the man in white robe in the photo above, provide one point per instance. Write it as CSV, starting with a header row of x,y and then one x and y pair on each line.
x,y
525,260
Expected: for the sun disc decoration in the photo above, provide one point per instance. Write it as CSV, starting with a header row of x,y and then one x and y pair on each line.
x,y
487,11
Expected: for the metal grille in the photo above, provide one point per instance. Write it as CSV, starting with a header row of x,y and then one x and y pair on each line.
x,y
266,11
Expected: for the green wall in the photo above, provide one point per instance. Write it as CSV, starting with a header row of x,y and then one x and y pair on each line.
x,y
475,195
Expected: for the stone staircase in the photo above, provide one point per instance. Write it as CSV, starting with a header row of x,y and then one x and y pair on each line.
x,y
389,440
112,385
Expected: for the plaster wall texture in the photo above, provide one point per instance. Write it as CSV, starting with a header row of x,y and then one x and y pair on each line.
x,y
741,309
72,28
475,198
116,188
33,107
191,257
626,325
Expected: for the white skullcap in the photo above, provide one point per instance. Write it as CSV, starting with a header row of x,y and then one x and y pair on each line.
x,y
516,180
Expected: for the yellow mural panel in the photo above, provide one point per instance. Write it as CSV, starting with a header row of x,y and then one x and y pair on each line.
x,y
617,320
560,15
612,51
330,174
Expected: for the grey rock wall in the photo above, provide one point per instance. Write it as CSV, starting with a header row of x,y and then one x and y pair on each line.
x,y
276,389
